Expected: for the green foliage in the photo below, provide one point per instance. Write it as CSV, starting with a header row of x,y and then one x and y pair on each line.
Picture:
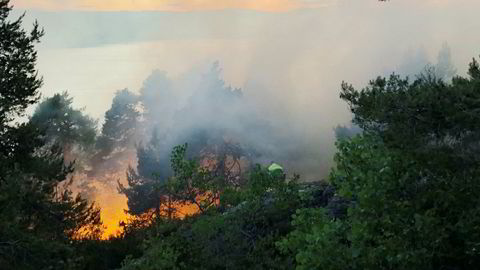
x,y
412,179
316,241
440,120
20,82
108,254
155,186
192,183
146,186
403,217
119,127
38,216
65,126
160,255
241,236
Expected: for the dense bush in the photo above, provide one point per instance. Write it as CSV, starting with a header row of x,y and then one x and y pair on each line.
x,y
240,236
412,179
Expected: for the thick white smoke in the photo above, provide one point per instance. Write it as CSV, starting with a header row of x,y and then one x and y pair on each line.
x,y
289,65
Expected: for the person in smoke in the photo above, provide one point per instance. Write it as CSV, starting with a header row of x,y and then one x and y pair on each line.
x,y
276,171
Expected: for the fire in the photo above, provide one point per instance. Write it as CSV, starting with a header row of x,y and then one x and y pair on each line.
x,y
103,188
112,205
183,210
105,196
100,187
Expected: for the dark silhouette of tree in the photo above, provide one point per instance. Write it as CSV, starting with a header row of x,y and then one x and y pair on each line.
x,y
118,131
146,191
66,126
39,218
19,80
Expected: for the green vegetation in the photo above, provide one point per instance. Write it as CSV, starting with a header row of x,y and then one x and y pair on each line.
x,y
412,178
66,127
38,217
404,193
399,203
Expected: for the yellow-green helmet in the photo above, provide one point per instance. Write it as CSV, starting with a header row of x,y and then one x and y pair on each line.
x,y
275,167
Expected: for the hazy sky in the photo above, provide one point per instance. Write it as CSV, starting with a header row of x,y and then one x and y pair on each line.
x,y
171,5
192,5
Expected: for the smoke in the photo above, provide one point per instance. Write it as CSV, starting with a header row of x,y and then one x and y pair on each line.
x,y
199,108
289,65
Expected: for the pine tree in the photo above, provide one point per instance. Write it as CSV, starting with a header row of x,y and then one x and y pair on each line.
x,y
66,126
39,217
119,129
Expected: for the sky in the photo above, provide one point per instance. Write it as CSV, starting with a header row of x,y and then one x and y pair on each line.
x,y
171,5
193,5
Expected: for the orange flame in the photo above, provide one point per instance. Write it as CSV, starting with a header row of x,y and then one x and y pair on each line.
x,y
112,213
113,205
